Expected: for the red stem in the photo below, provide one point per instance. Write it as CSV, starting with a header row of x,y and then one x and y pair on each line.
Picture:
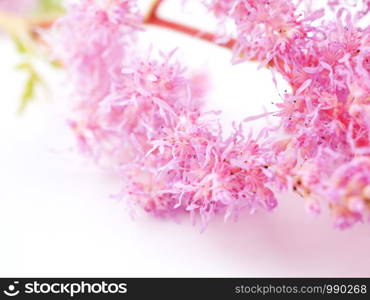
x,y
194,32
153,19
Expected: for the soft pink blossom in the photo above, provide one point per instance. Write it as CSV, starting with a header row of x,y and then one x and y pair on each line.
x,y
144,114
17,6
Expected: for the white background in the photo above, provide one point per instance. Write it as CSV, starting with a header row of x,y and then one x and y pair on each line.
x,y
57,219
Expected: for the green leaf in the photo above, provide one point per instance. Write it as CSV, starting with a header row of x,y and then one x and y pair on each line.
x,y
24,66
51,6
30,86
28,93
21,48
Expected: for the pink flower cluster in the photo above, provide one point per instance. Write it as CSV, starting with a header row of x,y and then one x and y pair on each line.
x,y
17,6
326,118
143,113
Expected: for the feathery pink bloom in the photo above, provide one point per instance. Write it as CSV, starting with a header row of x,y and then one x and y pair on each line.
x,y
18,6
326,62
349,192
145,115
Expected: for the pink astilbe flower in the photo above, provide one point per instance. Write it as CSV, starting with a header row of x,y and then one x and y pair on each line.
x,y
170,158
349,192
145,116
192,167
18,6
327,66
92,42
